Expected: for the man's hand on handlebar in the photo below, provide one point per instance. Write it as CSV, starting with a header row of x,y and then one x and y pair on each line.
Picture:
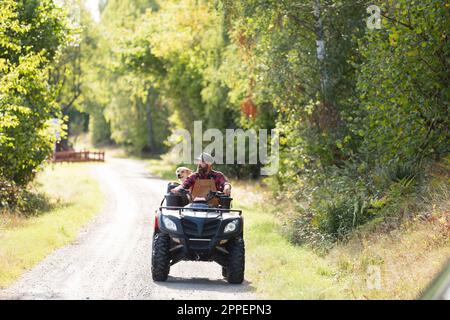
x,y
178,189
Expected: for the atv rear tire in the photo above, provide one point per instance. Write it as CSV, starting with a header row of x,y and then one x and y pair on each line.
x,y
224,272
160,257
236,261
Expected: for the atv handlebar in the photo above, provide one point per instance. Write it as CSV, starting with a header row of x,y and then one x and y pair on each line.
x,y
218,210
182,191
216,194
209,196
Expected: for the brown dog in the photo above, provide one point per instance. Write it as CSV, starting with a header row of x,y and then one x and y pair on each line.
x,y
182,173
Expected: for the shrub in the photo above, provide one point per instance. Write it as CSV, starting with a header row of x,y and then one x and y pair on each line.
x,y
9,194
18,200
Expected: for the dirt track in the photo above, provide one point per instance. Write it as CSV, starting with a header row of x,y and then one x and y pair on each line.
x,y
111,257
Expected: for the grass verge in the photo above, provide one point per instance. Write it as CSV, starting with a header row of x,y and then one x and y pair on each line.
x,y
274,266
74,196
373,264
398,264
161,168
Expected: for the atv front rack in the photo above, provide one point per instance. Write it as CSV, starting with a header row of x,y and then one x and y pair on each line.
x,y
217,210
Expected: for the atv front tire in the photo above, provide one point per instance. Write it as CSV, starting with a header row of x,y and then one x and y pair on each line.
x,y
160,257
236,261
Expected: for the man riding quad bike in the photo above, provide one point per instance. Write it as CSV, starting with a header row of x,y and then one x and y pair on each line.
x,y
202,228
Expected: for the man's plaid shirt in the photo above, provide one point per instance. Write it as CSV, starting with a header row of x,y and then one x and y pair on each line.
x,y
218,177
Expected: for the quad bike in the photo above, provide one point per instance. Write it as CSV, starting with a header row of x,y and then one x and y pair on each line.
x,y
198,231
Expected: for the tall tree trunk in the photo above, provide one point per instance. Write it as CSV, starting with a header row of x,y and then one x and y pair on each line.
x,y
320,50
326,114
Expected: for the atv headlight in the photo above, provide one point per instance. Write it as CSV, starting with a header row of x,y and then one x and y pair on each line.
x,y
231,226
169,224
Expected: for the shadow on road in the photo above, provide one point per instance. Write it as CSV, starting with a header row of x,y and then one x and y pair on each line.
x,y
206,284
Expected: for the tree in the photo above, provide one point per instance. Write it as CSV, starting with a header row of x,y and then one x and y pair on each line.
x,y
31,35
403,84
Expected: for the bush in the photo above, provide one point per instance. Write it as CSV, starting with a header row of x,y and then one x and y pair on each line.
x,y
18,200
303,231
31,34
343,215
332,204
9,194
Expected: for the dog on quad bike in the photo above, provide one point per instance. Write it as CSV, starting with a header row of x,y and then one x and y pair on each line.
x,y
182,173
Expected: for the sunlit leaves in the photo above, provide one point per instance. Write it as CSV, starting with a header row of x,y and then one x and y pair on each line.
x,y
31,33
401,80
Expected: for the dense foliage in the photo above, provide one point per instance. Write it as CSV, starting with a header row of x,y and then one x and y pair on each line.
x,y
360,111
359,120
31,35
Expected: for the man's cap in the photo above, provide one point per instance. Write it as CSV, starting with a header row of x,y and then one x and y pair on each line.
x,y
205,157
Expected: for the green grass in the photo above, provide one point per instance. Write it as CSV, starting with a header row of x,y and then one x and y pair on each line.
x,y
75,197
278,269
407,258
161,168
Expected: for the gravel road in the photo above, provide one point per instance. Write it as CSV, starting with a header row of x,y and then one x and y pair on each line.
x,y
110,258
